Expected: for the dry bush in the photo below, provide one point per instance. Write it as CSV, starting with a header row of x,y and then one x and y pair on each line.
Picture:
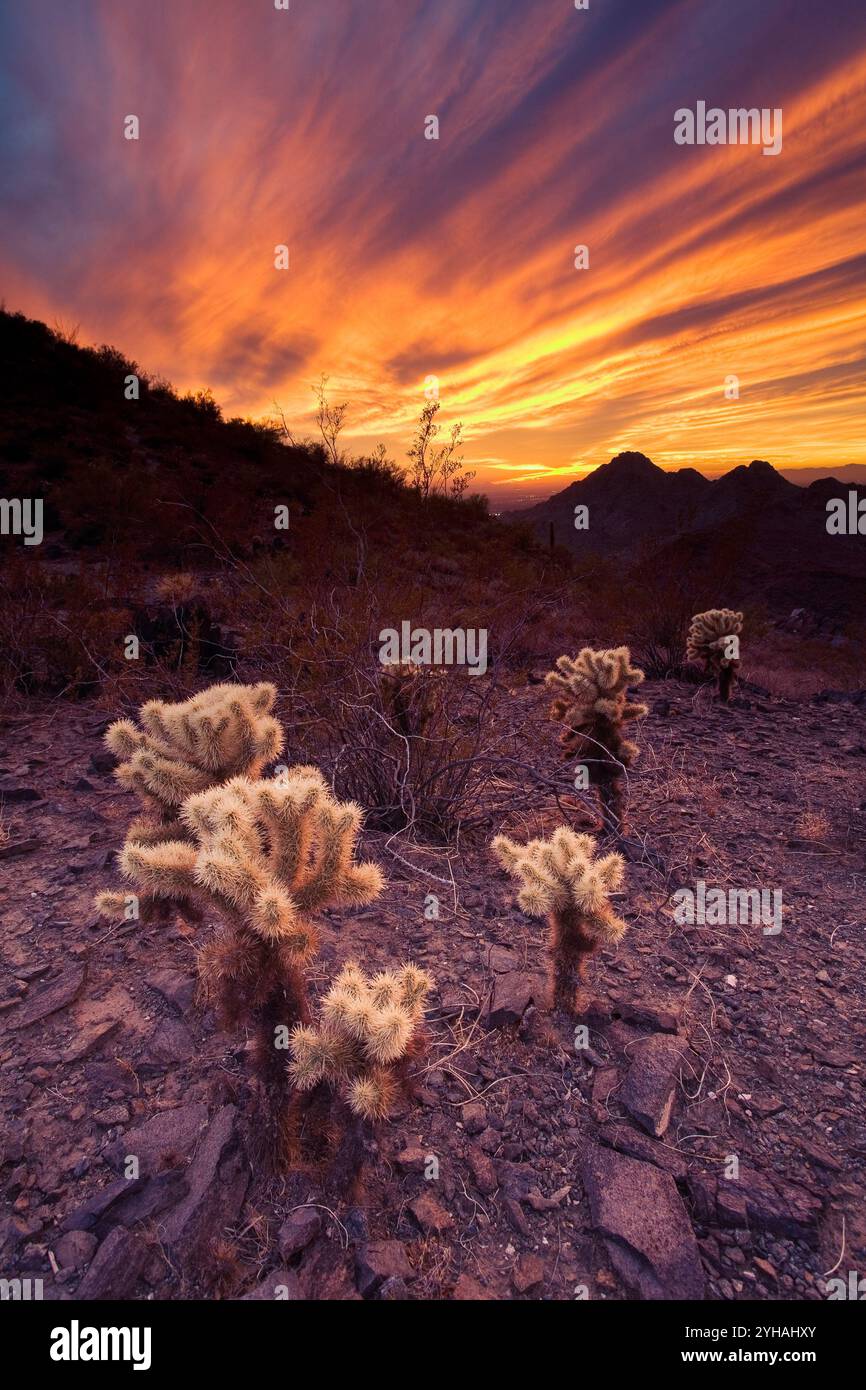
x,y
59,634
419,759
426,760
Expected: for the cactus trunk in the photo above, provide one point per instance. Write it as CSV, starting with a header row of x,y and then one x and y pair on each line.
x,y
571,946
611,796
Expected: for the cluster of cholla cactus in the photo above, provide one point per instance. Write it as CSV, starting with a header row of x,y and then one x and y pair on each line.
x,y
714,638
266,856
369,1035
562,880
370,1031
592,702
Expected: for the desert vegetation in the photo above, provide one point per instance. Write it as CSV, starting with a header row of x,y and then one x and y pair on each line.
x,y
714,639
266,856
591,701
342,1044
563,880
369,1036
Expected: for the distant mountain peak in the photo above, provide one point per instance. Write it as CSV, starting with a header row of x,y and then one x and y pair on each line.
x,y
755,475
631,464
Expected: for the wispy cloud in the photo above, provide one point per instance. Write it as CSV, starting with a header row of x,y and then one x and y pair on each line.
x,y
455,258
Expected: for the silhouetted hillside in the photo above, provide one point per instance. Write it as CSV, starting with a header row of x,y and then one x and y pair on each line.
x,y
783,549
146,474
160,517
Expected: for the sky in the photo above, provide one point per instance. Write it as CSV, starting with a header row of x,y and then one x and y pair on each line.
x,y
412,258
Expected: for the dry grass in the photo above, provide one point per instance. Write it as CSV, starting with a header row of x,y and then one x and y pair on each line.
x,y
795,667
813,825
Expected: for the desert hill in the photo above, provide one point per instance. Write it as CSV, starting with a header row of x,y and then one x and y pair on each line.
x,y
779,529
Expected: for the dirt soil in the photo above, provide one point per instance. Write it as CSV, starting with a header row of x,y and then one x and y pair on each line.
x,y
704,1138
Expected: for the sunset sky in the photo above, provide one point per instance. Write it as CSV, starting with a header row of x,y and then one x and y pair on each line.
x,y
411,257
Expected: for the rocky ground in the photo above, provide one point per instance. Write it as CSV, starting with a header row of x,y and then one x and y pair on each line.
x,y
708,1141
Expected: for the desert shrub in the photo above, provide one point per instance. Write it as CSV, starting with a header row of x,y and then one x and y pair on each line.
x,y
410,745
59,635
657,631
420,750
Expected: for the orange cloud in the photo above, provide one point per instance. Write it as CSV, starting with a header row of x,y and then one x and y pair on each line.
x,y
455,258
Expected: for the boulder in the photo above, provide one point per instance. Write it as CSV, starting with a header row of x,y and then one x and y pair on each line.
x,y
218,1179
431,1215
637,1210
513,992
116,1267
650,1086
75,1249
170,1044
57,994
528,1274
628,1141
298,1231
176,988
378,1261
483,1171
162,1141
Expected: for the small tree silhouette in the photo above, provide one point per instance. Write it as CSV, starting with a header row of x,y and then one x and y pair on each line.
x,y
331,420
437,469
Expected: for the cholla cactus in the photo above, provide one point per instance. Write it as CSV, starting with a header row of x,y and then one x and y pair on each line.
x,y
561,879
265,856
370,1031
224,731
592,702
714,637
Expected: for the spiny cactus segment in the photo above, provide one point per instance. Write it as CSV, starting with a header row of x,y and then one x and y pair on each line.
x,y
180,749
369,1032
